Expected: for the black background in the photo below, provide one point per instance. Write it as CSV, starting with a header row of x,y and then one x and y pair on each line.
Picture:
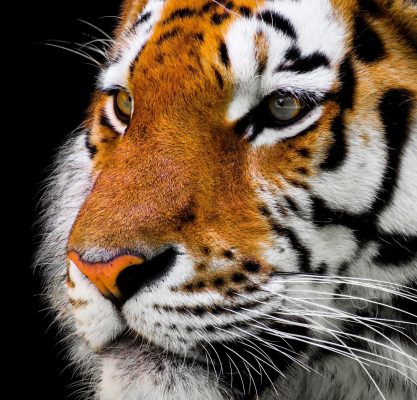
x,y
55,90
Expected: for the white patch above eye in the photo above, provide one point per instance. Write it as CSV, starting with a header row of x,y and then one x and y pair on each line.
x,y
270,136
317,26
318,31
318,81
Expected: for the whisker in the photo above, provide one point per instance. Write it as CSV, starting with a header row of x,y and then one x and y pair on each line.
x,y
80,53
105,34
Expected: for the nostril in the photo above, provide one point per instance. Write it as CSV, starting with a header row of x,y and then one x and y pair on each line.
x,y
135,277
121,277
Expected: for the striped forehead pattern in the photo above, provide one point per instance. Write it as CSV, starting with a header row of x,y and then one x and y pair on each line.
x,y
263,46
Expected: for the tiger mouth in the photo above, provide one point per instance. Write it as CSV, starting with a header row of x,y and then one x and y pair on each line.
x,y
241,364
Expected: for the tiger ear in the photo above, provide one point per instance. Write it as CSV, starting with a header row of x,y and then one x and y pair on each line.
x,y
402,12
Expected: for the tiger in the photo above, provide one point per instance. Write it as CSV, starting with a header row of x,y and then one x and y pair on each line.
x,y
236,218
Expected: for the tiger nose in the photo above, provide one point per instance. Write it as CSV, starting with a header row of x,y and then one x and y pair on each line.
x,y
123,276
108,276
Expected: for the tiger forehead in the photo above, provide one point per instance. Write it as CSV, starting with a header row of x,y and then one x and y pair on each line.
x,y
196,42
166,34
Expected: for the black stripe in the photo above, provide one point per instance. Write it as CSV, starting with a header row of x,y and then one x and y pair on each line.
x,y
304,254
292,204
218,78
369,6
278,22
224,54
180,13
104,121
367,44
142,19
337,152
199,36
305,64
395,110
217,19
293,53
346,94
168,35
132,65
363,225
90,147
245,11
396,249
345,97
393,248
208,6
408,305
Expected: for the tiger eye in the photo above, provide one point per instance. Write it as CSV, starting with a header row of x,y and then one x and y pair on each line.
x,y
123,105
285,108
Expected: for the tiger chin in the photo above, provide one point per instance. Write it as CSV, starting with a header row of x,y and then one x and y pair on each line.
x,y
237,217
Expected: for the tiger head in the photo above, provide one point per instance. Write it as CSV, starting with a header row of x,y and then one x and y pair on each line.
x,y
243,186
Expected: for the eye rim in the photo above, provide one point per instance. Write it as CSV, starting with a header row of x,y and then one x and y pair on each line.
x,y
120,114
259,118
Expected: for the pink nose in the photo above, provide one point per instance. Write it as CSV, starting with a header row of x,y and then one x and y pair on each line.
x,y
104,275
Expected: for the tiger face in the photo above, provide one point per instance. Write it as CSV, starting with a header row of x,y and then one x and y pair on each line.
x,y
240,205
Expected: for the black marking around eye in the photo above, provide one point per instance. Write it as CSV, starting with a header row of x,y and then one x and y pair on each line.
x,y
260,118
104,121
224,54
367,44
278,22
345,97
168,35
142,19
180,13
